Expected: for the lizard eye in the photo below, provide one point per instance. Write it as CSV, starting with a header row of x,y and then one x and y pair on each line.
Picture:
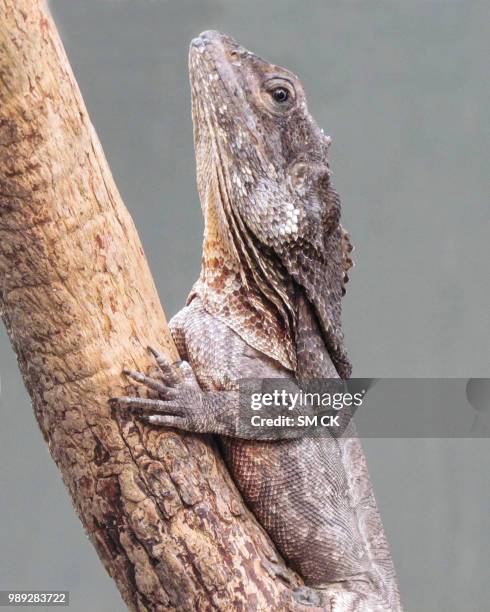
x,y
280,94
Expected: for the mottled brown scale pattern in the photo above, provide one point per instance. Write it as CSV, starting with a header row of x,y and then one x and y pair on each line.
x,y
312,495
275,259
268,304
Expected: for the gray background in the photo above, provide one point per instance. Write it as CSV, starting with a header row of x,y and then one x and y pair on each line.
x,y
403,90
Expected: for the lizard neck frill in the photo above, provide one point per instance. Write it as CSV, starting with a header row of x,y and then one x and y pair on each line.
x,y
233,287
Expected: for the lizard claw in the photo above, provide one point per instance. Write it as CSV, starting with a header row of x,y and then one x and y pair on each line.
x,y
173,373
165,421
275,570
175,400
308,597
151,383
164,413
142,403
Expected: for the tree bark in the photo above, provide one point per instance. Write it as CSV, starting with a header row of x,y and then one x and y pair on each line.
x,y
80,305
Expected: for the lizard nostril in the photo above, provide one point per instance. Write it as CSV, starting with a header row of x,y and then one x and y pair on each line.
x,y
209,35
197,42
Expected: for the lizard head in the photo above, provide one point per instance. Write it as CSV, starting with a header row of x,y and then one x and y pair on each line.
x,y
257,144
264,184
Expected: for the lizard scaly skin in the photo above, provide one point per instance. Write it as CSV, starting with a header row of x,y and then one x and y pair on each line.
x,y
267,305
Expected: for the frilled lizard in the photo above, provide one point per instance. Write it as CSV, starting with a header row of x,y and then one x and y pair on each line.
x,y
267,305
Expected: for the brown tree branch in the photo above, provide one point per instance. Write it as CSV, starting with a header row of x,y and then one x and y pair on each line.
x,y
79,304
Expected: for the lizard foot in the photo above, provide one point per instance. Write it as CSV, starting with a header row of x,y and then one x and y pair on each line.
x,y
308,597
177,400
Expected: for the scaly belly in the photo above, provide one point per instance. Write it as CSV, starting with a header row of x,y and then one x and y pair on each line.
x,y
298,494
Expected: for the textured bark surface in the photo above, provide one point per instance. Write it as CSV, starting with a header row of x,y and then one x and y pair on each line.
x,y
79,304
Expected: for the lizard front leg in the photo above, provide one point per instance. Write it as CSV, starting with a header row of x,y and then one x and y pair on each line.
x,y
175,398
178,401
